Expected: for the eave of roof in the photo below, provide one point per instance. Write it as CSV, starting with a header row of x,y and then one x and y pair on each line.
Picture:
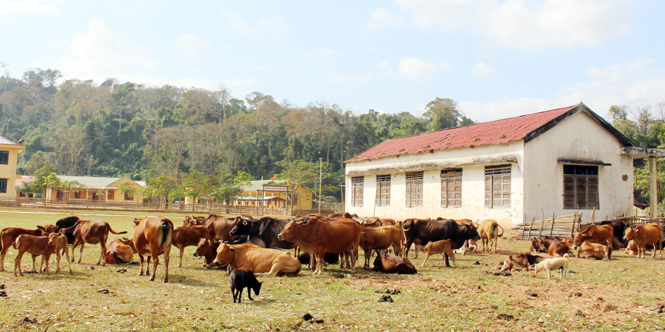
x,y
524,127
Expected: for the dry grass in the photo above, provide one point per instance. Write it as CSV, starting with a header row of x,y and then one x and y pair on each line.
x,y
615,295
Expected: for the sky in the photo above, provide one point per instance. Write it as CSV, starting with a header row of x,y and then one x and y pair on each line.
x,y
496,58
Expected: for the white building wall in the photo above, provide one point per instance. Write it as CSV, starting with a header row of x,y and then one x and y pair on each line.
x,y
471,160
578,137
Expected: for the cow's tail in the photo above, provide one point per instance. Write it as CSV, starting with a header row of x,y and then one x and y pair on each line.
x,y
167,232
16,244
114,232
500,235
402,240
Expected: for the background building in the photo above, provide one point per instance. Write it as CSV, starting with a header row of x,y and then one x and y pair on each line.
x,y
8,160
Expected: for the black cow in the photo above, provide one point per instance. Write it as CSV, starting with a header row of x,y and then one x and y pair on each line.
x,y
328,258
265,229
244,279
426,230
68,223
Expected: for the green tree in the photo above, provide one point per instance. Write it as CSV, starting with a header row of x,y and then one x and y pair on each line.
x,y
303,174
196,185
230,187
128,189
161,187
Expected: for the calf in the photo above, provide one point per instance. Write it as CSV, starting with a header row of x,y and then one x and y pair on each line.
x,y
9,235
603,234
153,235
644,235
553,264
540,244
559,247
594,250
194,221
48,229
120,251
36,246
440,247
244,279
188,236
392,264
380,238
489,232
521,261
207,250
92,232
59,243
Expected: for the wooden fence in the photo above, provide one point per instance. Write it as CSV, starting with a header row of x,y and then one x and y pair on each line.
x,y
563,226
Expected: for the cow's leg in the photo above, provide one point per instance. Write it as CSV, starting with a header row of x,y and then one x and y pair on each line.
x,y
407,248
249,293
3,253
76,243
68,263
452,256
549,273
368,256
155,259
233,292
45,258
102,254
426,258
319,262
239,294
17,263
182,251
57,261
140,264
34,269
147,264
81,251
446,256
167,258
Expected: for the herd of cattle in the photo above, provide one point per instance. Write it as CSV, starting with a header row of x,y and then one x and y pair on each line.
x,y
261,246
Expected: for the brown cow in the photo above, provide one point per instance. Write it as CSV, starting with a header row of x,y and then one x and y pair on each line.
x,y
644,235
440,247
92,232
594,250
603,234
48,229
36,246
521,261
262,261
379,238
540,244
9,235
60,245
219,227
207,250
153,235
120,251
194,221
559,247
318,236
188,236
488,230
392,264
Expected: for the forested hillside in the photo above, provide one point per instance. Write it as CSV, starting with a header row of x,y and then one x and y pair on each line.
x,y
128,129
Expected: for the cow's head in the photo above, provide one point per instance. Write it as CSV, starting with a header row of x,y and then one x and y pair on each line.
x,y
581,237
225,255
408,224
202,248
630,233
242,227
470,232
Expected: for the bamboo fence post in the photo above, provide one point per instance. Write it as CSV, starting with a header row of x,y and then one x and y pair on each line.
x,y
552,227
531,226
542,225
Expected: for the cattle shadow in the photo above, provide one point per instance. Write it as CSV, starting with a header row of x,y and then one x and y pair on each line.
x,y
187,280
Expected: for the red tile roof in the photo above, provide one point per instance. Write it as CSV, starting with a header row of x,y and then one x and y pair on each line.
x,y
6,141
486,133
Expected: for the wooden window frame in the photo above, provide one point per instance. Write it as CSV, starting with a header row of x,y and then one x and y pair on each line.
x,y
580,187
498,180
110,195
451,188
414,189
77,195
3,185
383,190
357,190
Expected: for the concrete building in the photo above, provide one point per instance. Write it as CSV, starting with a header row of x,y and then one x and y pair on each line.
x,y
558,161
95,189
8,159
273,196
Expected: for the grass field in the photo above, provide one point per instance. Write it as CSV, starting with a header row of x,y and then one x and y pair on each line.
x,y
603,296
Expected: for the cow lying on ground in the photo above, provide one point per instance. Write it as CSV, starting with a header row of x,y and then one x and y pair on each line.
x,y
261,261
392,264
488,230
594,250
68,224
36,246
188,236
207,250
8,236
244,279
440,247
603,234
92,232
559,247
522,261
540,244
120,251
644,235
153,235
380,238
193,221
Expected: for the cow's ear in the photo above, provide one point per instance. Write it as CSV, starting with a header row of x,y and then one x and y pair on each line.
x,y
40,227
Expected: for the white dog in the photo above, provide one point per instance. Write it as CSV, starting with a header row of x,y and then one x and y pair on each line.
x,y
553,264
